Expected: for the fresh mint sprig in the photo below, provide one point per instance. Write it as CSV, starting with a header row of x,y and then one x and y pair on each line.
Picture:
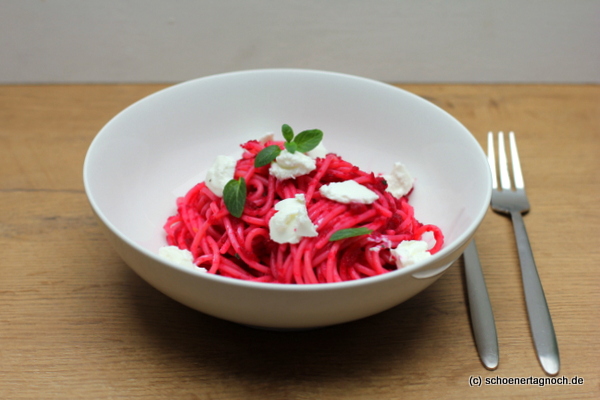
x,y
303,142
348,233
234,196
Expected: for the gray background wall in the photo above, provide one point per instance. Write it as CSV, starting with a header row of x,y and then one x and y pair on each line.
x,y
515,41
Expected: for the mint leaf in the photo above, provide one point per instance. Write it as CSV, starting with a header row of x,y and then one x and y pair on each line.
x,y
348,233
288,133
308,140
291,146
303,142
234,196
266,155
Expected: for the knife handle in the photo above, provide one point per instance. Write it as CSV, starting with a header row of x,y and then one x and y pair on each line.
x,y
482,316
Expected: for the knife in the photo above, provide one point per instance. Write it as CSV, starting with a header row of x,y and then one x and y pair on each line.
x,y
482,316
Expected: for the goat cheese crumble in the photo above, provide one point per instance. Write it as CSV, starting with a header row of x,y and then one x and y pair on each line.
x,y
290,165
399,181
291,221
182,257
219,174
410,252
348,192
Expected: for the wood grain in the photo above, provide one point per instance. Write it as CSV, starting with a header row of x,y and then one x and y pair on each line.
x,y
76,322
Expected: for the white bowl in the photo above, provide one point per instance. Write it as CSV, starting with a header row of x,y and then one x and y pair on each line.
x,y
156,149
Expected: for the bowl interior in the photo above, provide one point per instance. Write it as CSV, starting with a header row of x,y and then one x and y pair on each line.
x,y
158,148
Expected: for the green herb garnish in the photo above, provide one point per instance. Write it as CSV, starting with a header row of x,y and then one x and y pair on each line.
x,y
348,233
291,146
288,132
234,196
266,155
308,140
303,142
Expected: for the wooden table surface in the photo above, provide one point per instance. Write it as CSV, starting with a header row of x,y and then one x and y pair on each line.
x,y
76,322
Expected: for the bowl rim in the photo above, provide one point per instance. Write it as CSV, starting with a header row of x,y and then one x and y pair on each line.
x,y
442,253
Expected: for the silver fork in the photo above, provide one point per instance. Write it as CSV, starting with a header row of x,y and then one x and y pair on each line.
x,y
513,201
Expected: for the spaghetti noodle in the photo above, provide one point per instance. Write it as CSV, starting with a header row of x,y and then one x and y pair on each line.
x,y
242,247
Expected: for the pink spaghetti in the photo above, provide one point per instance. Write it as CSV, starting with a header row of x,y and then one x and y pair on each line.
x,y
242,248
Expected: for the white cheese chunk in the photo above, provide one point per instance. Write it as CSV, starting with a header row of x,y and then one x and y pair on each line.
x,y
318,152
400,182
290,165
219,174
410,252
179,256
291,222
348,192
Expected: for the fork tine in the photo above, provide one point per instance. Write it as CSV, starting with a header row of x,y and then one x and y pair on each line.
x,y
516,163
492,160
503,163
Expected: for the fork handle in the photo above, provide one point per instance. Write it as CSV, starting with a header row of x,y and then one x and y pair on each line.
x,y
540,320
